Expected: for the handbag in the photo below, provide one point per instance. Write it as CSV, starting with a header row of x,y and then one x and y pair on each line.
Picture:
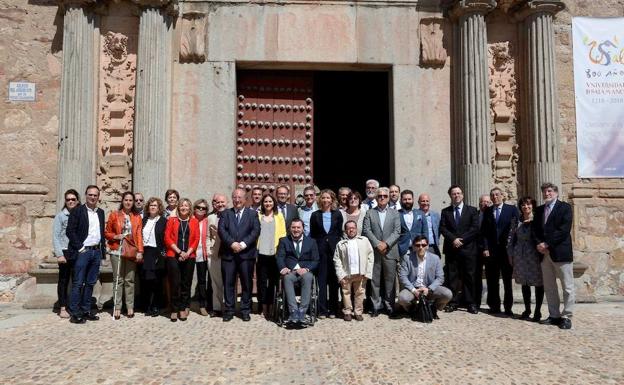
x,y
128,249
423,310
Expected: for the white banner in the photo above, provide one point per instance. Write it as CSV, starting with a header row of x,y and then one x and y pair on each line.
x,y
599,88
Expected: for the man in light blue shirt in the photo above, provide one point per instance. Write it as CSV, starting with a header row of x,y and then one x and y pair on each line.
x,y
305,212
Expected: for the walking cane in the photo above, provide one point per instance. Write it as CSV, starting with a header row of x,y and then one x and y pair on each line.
x,y
116,277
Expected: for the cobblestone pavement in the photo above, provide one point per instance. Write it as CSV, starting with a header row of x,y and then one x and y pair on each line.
x,y
460,348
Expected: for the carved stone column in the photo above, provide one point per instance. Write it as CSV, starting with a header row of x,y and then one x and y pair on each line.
x,y
471,137
153,100
77,132
540,125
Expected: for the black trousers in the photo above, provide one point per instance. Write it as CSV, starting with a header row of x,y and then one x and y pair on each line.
x,y
180,274
267,277
497,265
203,290
230,269
328,302
461,270
65,273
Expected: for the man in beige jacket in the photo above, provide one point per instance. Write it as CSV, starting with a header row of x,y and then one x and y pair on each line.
x,y
354,258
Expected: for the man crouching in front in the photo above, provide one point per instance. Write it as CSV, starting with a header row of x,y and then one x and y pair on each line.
x,y
297,258
421,273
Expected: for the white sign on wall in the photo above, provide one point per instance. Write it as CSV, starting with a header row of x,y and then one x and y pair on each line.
x,y
599,93
22,91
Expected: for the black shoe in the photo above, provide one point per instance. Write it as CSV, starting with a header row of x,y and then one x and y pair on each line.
x,y
565,324
293,318
395,315
536,317
77,320
526,315
551,321
434,312
155,312
216,313
494,310
91,317
246,317
472,309
227,317
450,308
509,313
375,313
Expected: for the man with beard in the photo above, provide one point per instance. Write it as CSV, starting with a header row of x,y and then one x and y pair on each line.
x,y
371,194
412,222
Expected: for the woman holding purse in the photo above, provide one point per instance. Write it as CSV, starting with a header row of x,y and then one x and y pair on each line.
x,y
123,232
181,240
152,271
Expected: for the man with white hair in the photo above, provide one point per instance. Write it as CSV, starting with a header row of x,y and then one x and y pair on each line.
x,y
371,194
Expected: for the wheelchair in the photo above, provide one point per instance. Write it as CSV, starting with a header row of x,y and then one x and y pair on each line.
x,y
280,305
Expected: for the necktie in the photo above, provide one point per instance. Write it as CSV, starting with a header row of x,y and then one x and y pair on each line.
x,y
497,214
370,204
457,215
298,248
546,213
283,210
238,216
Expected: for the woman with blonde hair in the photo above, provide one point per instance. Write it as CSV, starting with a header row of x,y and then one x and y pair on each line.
x,y
272,228
124,228
326,229
204,285
181,240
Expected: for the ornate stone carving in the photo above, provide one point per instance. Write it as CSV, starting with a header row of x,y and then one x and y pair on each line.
x,y
459,8
523,9
116,109
193,38
502,81
503,110
432,51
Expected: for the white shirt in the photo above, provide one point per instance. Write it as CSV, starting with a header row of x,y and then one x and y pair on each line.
x,y
500,210
149,233
420,275
300,241
93,236
408,216
199,253
382,215
354,257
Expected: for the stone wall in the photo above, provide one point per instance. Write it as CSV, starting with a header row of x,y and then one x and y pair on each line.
x,y
598,203
29,51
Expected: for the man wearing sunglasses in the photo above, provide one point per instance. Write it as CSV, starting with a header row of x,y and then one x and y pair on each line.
x,y
421,273
139,204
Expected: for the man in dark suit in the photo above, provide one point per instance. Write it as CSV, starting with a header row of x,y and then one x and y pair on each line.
x,y
413,222
239,228
297,259
288,210
85,231
552,224
459,223
484,202
495,226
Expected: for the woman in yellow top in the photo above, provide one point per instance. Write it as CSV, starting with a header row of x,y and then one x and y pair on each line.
x,y
272,228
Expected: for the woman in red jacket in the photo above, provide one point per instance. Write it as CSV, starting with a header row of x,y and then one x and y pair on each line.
x,y
124,223
181,240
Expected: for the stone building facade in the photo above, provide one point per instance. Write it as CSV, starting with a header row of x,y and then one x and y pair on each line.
x,y
125,88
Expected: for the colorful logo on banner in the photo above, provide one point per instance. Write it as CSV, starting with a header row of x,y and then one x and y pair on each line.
x,y
599,93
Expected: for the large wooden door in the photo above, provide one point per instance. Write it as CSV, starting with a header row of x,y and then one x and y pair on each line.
x,y
274,130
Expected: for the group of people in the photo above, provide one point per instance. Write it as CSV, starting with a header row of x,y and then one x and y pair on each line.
x,y
352,248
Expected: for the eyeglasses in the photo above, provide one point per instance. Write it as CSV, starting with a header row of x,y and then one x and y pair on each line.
x,y
93,195
308,195
70,199
382,196
201,208
420,245
139,200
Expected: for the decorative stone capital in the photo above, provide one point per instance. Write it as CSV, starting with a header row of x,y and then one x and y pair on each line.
x,y
524,9
65,4
458,8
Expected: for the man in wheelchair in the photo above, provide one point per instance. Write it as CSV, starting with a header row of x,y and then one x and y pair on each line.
x,y
297,258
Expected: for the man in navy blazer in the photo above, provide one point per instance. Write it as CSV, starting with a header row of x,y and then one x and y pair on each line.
x,y
239,228
552,224
495,225
85,231
432,223
288,210
413,222
459,223
297,259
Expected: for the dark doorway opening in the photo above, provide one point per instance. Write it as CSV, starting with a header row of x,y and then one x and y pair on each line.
x,y
352,129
